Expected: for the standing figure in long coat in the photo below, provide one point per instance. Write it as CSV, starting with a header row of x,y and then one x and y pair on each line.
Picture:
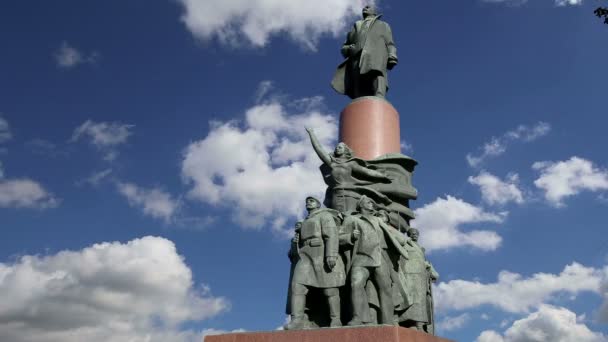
x,y
371,238
369,51
318,267
419,274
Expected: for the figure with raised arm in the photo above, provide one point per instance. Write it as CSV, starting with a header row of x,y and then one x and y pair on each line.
x,y
346,176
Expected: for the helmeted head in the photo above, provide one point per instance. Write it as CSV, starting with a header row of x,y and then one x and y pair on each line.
x,y
312,203
413,233
298,225
366,203
343,151
369,10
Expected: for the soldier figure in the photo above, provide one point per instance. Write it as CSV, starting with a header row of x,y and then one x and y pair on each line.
x,y
318,267
419,274
371,238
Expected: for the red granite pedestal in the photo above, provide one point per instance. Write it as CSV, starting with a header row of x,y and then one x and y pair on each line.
x,y
370,126
358,334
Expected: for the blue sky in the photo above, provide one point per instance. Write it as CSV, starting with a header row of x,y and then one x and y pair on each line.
x,y
153,160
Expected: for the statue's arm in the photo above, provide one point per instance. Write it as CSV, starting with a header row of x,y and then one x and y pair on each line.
x,y
392,49
433,273
400,238
329,231
374,174
349,44
316,145
293,251
345,233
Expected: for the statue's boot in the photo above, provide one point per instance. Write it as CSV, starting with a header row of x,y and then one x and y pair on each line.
x,y
355,321
298,318
334,311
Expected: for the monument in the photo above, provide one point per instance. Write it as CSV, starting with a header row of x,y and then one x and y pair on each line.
x,y
357,271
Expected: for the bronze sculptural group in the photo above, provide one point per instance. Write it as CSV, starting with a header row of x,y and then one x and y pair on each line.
x,y
358,261
351,264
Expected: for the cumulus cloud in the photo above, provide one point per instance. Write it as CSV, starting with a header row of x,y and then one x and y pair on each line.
x,y
521,2
153,202
254,22
136,291
498,145
568,2
496,191
96,177
567,178
440,225
25,193
5,132
262,167
515,293
68,56
106,136
549,323
451,323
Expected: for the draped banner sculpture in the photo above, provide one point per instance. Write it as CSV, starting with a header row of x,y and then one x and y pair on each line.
x,y
358,261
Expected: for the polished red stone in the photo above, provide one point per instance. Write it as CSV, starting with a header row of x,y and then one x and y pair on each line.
x,y
358,334
370,126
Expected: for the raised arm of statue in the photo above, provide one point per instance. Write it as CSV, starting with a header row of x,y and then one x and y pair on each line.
x,y
316,145
374,174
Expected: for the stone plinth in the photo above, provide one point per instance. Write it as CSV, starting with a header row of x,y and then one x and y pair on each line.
x,y
370,126
358,334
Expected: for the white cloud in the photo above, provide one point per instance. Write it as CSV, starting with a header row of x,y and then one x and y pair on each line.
x,y
451,323
46,148
68,56
5,132
440,225
568,2
211,331
256,21
25,193
489,336
603,311
153,202
496,191
498,146
137,291
106,136
549,323
96,178
516,294
406,147
521,2
568,178
264,167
